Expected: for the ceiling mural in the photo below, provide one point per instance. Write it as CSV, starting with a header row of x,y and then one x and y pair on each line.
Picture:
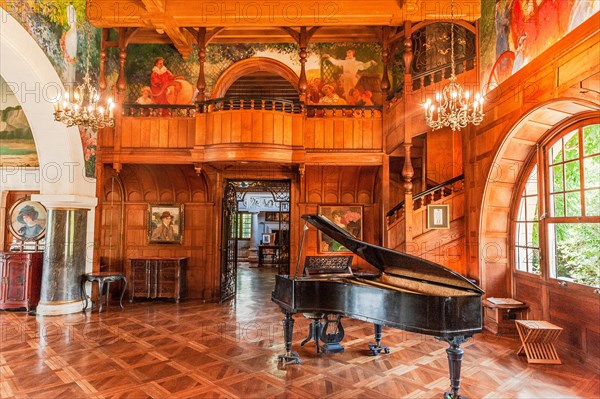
x,y
513,32
17,147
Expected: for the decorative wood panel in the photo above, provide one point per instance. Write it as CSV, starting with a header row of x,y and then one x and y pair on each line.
x,y
152,132
143,184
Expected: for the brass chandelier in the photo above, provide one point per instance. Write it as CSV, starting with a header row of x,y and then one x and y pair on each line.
x,y
85,109
454,107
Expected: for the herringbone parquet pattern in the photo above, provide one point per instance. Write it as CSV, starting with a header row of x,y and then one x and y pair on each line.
x,y
195,350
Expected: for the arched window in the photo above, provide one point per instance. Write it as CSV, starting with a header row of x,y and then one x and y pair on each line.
x,y
557,218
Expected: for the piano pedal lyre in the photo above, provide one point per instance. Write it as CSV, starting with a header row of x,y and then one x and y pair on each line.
x,y
332,340
376,348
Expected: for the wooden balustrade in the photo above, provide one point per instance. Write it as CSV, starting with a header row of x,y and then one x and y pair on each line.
x,y
159,110
249,121
429,196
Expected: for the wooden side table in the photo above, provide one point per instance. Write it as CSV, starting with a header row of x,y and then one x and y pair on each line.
x,y
537,337
500,319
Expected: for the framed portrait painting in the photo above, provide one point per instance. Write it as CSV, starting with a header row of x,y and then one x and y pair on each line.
x,y
347,217
27,220
165,223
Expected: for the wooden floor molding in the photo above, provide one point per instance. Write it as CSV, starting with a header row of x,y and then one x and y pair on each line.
x,y
194,350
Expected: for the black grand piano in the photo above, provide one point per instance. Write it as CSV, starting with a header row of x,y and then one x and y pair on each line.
x,y
409,293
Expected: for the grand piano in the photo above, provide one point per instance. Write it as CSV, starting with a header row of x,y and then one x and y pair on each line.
x,y
408,293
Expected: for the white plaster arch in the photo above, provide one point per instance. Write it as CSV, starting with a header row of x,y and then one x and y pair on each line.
x,y
28,71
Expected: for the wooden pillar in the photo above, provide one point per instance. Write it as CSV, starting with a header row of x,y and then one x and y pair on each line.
x,y
407,169
201,83
121,82
303,83
102,75
385,55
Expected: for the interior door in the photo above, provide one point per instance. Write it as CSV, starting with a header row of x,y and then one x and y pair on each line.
x,y
229,244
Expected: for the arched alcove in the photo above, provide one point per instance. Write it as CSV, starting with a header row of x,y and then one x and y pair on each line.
x,y
514,151
36,84
249,66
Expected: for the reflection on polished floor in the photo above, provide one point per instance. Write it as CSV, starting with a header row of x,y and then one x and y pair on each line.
x,y
195,350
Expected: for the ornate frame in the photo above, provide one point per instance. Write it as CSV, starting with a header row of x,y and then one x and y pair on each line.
x,y
17,226
155,213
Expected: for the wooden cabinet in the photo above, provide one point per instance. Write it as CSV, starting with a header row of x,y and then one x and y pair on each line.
x,y
21,279
158,278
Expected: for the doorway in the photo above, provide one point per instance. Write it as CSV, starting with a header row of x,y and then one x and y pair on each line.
x,y
256,219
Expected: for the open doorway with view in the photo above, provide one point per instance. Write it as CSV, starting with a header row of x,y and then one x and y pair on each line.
x,y
255,231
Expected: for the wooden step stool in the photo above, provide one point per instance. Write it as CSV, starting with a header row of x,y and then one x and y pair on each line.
x,y
537,337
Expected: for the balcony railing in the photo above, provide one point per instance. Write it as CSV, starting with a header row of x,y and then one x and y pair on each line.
x,y
262,104
159,110
428,196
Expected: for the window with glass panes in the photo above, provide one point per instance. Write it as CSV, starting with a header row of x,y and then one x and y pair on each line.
x,y
571,208
244,225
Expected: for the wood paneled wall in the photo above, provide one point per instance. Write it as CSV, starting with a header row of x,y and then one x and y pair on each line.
x,y
147,132
249,126
124,221
543,95
330,185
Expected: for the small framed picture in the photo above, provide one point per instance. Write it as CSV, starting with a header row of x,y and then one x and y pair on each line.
x,y
438,216
27,220
266,239
165,224
285,207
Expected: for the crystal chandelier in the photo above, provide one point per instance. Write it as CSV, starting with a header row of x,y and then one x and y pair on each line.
x,y
454,107
84,109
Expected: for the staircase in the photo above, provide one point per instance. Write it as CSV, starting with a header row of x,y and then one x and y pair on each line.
x,y
443,246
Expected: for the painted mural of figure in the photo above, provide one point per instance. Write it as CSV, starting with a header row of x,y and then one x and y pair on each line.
x,y
313,92
28,216
330,98
520,54
581,11
146,96
168,88
350,67
68,43
502,20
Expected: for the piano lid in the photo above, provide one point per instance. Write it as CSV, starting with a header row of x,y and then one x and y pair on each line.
x,y
390,261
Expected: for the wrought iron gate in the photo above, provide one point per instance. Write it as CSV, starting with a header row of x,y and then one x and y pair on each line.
x,y
229,244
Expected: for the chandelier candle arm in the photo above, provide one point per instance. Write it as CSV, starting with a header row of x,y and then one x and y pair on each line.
x,y
85,109
454,107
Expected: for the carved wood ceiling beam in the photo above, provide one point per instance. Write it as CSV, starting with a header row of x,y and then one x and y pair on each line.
x,y
154,6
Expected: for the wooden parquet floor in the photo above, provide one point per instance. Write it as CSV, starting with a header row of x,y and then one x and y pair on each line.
x,y
159,349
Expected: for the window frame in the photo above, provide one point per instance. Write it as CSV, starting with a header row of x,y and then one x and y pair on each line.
x,y
240,226
540,157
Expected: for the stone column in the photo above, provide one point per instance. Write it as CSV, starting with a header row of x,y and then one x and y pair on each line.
x,y
65,255
254,239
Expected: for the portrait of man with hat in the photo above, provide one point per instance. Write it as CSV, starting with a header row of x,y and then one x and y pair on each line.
x,y
28,217
165,231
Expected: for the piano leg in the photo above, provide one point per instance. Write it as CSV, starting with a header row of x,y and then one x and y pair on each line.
x,y
288,332
455,354
376,348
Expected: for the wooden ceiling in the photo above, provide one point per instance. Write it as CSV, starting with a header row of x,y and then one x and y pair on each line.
x,y
235,21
